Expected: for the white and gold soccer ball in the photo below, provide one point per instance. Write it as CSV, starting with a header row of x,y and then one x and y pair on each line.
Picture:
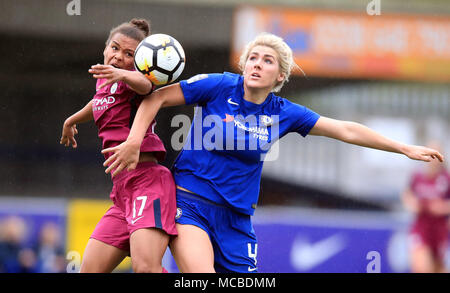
x,y
160,57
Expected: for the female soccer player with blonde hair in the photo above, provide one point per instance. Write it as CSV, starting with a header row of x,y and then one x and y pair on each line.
x,y
218,187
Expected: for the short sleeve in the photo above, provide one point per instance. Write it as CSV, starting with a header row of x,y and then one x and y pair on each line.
x,y
200,88
302,119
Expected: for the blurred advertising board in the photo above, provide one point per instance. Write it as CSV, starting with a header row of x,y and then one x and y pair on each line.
x,y
75,220
339,44
34,214
32,235
290,240
82,218
331,241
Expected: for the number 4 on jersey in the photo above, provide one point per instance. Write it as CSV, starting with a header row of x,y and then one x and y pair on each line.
x,y
252,255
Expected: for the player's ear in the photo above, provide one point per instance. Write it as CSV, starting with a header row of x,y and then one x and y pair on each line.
x,y
281,77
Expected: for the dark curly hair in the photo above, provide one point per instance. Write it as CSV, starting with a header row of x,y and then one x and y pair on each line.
x,y
137,29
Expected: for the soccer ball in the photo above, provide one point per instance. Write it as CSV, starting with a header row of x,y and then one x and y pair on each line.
x,y
160,57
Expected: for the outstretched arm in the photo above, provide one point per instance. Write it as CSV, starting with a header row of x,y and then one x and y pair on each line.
x,y
358,134
126,155
70,125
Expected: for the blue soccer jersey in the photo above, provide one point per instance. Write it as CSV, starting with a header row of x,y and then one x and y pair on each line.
x,y
223,156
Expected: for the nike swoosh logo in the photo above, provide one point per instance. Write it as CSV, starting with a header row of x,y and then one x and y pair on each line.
x,y
251,269
231,102
305,256
135,220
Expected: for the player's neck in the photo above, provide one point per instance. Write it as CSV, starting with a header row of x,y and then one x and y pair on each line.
x,y
433,173
255,96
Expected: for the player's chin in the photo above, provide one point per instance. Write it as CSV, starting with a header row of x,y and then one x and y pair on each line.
x,y
257,84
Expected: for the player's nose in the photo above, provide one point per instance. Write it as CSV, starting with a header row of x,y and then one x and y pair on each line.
x,y
118,56
258,64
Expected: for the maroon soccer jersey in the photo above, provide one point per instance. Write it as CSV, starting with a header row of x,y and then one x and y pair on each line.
x,y
144,197
427,189
113,113
431,229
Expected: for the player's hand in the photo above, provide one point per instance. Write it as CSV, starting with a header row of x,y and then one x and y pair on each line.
x,y
108,72
125,155
422,153
68,135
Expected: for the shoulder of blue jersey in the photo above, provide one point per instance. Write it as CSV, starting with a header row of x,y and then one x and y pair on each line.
x,y
197,78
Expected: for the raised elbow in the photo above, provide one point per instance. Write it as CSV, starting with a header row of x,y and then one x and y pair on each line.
x,y
349,131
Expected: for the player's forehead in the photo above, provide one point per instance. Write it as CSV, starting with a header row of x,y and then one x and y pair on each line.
x,y
261,50
124,42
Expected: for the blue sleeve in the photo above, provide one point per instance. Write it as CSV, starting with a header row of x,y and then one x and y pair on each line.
x,y
302,119
200,88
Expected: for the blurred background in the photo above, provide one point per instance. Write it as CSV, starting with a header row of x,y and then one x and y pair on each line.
x,y
324,205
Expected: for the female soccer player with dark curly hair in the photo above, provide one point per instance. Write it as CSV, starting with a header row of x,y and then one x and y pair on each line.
x,y
143,212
